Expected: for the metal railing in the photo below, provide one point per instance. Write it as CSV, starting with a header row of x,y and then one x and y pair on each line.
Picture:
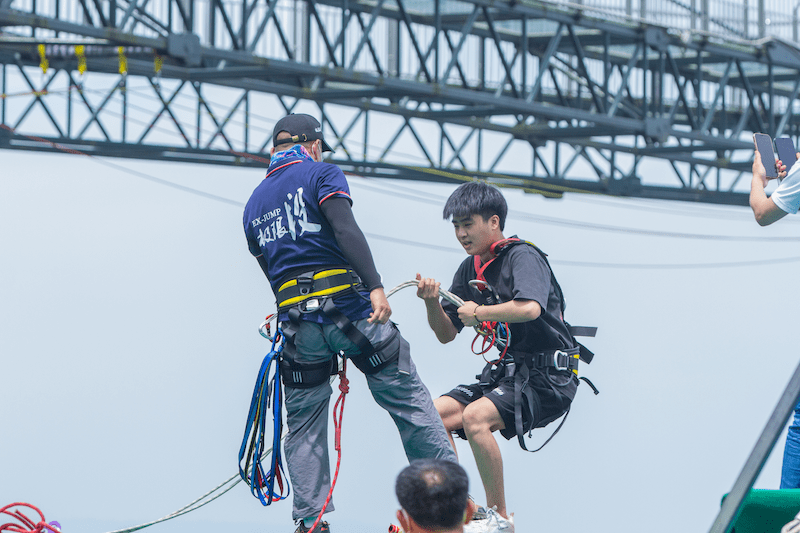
x,y
742,19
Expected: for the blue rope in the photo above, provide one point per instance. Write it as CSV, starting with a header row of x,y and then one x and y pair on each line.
x,y
262,485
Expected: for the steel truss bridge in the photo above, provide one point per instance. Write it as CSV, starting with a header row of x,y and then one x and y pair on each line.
x,y
552,97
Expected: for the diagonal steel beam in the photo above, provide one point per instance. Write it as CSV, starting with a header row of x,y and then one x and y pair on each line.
x,y
461,147
324,34
751,96
133,6
496,38
86,12
465,29
165,106
789,111
413,38
271,4
38,99
446,137
720,92
95,117
585,71
186,18
626,76
461,74
99,8
219,6
544,63
220,131
348,129
365,34
372,50
681,90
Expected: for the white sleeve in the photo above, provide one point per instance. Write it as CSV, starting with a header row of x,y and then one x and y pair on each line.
x,y
787,195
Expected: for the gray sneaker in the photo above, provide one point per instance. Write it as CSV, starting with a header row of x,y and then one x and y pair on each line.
x,y
489,522
480,514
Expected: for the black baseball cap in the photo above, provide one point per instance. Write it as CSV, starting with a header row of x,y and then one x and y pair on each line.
x,y
302,128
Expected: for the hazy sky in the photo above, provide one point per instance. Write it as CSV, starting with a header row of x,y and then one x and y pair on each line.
x,y
128,334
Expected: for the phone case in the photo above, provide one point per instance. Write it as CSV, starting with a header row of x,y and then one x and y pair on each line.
x,y
764,145
786,151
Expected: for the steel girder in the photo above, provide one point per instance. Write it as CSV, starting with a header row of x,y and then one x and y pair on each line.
x,y
536,95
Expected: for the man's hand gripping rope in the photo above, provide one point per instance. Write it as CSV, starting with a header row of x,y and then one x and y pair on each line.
x,y
493,333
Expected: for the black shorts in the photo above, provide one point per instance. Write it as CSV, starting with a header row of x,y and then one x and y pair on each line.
x,y
554,390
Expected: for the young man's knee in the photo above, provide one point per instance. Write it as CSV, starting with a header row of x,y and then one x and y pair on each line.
x,y
449,411
478,418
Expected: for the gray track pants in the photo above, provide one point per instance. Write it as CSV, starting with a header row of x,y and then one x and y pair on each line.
x,y
404,396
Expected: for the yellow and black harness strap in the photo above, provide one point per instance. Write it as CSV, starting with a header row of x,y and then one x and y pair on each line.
x,y
316,284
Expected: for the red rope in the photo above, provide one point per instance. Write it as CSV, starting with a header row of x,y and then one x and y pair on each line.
x,y
338,407
27,522
489,334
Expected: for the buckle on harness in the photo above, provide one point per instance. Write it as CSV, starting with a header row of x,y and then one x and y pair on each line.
x,y
558,353
305,282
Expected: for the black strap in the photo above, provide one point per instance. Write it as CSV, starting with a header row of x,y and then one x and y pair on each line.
x,y
586,355
532,403
596,392
305,376
582,331
528,399
348,328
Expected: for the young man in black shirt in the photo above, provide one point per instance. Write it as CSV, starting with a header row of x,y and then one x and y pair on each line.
x,y
539,368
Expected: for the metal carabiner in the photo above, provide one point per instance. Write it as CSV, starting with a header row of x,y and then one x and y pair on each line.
x,y
265,330
555,360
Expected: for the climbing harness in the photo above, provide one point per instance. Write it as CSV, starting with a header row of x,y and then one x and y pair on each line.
x,y
314,291
267,391
28,525
527,403
316,284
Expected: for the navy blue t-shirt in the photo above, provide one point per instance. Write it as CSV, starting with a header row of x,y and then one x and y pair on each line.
x,y
284,223
520,273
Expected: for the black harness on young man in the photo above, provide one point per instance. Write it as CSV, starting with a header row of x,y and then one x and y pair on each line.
x,y
314,291
522,364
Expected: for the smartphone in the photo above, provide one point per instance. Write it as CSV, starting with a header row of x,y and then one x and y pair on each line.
x,y
786,151
764,145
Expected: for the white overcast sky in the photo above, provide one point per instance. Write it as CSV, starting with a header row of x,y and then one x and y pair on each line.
x,y
128,334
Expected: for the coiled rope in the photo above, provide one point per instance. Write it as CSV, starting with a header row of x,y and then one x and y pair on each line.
x,y
32,527
262,484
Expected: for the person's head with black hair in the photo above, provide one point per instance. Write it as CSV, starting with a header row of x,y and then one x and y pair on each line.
x,y
476,198
479,216
433,494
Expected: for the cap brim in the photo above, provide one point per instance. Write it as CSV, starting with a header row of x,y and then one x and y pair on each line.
x,y
325,147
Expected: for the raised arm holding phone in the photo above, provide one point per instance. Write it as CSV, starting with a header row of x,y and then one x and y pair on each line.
x,y
786,198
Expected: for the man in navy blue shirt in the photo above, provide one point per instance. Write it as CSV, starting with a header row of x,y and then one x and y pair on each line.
x,y
300,227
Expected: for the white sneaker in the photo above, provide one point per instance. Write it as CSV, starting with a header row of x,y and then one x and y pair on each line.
x,y
480,513
488,521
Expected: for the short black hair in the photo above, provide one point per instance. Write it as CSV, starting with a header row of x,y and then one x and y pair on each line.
x,y
433,492
476,198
